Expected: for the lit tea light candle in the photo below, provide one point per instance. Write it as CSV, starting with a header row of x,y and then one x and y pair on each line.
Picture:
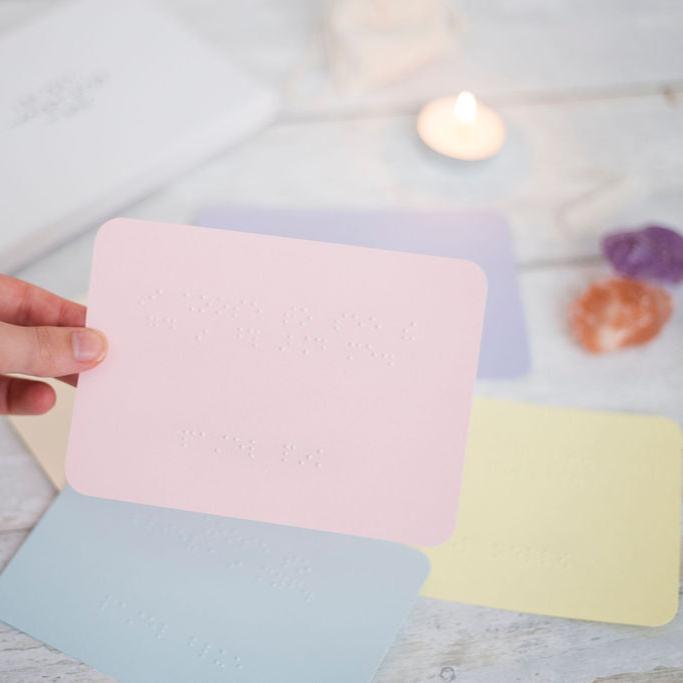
x,y
460,127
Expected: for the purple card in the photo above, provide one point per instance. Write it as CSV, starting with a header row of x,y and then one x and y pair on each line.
x,y
482,237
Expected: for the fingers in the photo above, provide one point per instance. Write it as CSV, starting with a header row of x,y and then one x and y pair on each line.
x,y
25,304
24,396
49,351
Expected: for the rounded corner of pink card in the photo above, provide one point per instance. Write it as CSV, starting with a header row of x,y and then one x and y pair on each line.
x,y
113,225
477,280
442,532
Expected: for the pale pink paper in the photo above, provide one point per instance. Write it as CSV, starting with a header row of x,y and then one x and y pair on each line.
x,y
286,381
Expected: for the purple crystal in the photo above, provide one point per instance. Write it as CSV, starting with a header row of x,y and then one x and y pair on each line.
x,y
650,253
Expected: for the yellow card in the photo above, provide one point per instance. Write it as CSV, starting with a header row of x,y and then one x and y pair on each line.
x,y
568,513
46,436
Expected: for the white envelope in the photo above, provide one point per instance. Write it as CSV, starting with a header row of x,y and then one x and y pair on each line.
x,y
100,103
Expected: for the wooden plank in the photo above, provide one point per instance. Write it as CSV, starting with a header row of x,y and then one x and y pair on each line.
x,y
500,49
529,49
461,642
25,660
14,13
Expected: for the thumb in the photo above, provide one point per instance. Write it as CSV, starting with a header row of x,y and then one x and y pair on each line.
x,y
49,351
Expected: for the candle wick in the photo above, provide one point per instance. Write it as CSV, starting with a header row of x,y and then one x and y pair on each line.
x,y
465,108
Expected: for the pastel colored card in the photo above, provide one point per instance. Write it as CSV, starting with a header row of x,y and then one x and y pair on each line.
x,y
146,594
568,513
295,382
479,236
46,436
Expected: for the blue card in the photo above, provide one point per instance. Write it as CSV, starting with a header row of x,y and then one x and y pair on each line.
x,y
148,594
479,236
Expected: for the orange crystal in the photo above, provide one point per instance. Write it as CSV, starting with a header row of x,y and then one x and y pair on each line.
x,y
619,312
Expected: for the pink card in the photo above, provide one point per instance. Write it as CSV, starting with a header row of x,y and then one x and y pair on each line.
x,y
288,381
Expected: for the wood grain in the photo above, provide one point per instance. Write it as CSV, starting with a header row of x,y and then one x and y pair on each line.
x,y
657,675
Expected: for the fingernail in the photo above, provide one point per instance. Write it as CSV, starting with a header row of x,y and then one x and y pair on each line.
x,y
88,345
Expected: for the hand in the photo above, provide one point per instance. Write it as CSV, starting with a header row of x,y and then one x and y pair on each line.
x,y
43,335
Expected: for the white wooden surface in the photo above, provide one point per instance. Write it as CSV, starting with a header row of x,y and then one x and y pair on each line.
x,y
593,95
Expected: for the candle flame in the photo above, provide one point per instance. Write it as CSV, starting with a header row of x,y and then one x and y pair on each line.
x,y
465,108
